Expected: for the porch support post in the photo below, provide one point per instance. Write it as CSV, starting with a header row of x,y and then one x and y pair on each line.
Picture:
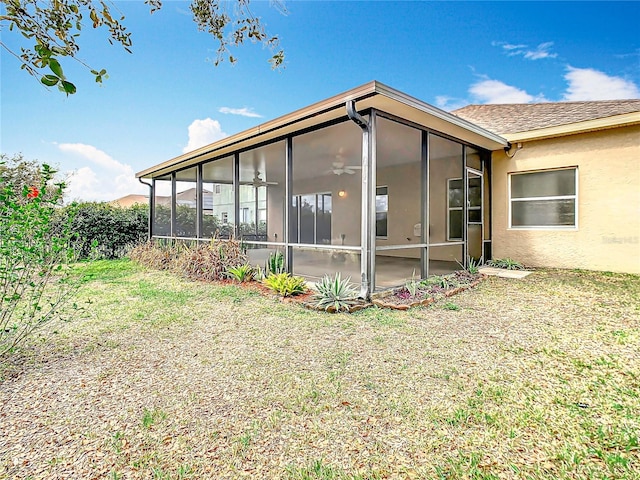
x,y
424,202
288,189
465,207
174,208
368,212
236,195
199,201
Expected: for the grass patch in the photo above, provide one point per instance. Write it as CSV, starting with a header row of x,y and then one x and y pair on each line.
x,y
524,379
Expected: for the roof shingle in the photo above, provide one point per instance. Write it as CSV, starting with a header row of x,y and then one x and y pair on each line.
x,y
523,117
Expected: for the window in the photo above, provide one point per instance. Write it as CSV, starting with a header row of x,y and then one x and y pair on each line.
x,y
312,218
455,196
546,199
245,217
382,210
224,217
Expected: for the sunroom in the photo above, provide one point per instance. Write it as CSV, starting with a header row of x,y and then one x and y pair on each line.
x,y
371,183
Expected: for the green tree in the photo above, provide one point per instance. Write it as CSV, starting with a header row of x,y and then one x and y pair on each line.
x,y
54,27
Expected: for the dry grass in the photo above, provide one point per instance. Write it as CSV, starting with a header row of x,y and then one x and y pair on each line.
x,y
165,378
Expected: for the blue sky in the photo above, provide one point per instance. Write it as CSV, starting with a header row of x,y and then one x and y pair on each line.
x,y
167,97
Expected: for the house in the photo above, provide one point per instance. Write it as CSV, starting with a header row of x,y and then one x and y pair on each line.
x,y
567,192
380,186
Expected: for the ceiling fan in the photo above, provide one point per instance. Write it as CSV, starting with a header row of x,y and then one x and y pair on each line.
x,y
258,182
338,168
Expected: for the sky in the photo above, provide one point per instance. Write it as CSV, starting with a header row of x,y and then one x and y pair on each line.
x,y
167,97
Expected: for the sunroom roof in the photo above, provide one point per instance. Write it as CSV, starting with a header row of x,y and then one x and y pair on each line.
x,y
370,95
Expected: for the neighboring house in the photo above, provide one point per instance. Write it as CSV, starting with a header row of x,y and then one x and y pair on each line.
x,y
567,193
130,200
380,186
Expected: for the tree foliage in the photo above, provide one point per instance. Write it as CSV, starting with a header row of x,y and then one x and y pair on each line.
x,y
54,27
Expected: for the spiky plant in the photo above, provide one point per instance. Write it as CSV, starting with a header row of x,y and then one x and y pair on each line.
x,y
335,293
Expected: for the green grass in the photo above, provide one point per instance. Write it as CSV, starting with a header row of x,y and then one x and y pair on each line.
x,y
160,377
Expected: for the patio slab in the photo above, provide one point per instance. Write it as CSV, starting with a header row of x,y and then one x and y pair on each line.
x,y
501,272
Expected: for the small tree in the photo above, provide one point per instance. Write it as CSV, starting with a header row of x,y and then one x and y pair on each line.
x,y
35,278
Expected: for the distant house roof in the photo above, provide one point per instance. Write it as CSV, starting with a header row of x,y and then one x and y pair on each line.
x,y
525,117
129,200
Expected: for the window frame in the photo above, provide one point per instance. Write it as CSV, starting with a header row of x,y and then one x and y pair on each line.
x,y
573,197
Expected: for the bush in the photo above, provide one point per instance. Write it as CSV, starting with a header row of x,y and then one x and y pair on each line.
x,y
199,261
113,230
35,278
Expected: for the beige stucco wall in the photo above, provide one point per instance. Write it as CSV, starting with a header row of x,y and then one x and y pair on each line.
x,y
608,232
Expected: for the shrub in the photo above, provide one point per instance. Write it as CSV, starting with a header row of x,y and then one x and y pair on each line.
x,y
158,255
35,278
286,285
199,261
113,230
335,293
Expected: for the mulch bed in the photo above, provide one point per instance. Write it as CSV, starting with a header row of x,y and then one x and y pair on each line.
x,y
402,299
398,299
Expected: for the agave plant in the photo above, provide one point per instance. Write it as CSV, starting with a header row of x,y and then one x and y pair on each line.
x,y
473,265
335,293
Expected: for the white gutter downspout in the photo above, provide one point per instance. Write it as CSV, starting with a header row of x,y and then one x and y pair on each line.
x,y
151,207
368,213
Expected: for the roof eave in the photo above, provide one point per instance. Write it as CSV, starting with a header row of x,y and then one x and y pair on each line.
x,y
485,138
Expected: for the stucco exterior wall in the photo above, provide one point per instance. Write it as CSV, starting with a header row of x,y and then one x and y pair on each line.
x,y
608,233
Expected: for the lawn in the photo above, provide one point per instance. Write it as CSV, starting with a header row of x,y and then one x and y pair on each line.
x,y
159,377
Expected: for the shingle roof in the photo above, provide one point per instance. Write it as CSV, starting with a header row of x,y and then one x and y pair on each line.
x,y
522,117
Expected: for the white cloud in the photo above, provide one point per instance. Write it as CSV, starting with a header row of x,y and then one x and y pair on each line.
x,y
541,51
450,103
105,179
537,53
244,112
203,132
495,91
590,84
